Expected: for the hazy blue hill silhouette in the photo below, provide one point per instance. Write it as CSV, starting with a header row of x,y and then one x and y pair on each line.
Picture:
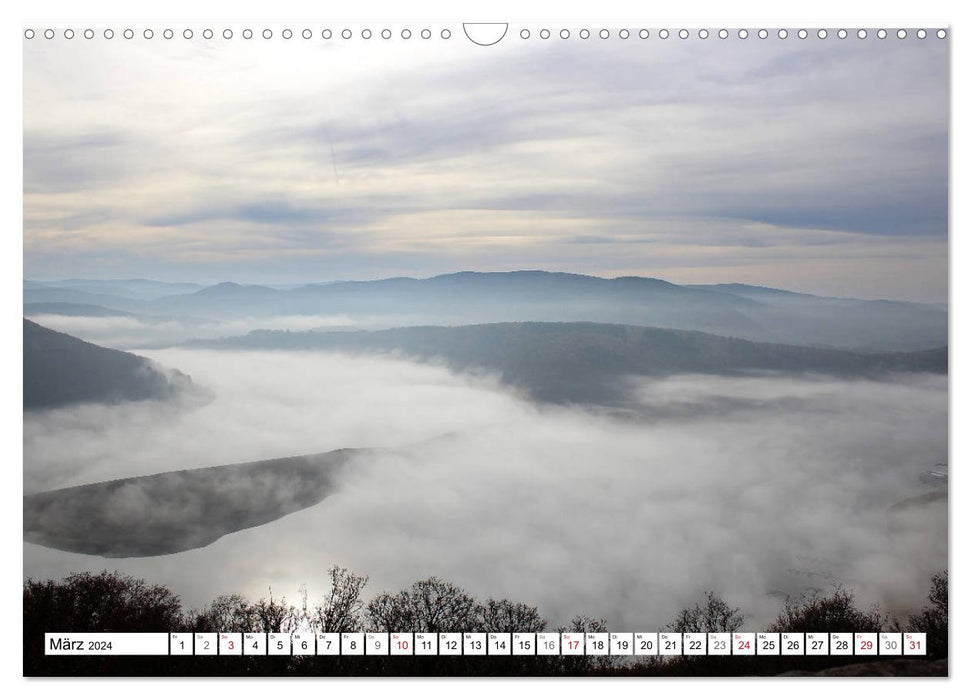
x,y
133,288
750,290
462,298
63,295
233,290
60,308
60,370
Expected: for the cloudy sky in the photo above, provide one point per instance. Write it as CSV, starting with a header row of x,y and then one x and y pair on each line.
x,y
816,165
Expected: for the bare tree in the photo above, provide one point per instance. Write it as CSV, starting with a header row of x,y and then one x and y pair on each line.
x,y
227,613
430,605
834,613
391,612
507,616
584,623
341,610
271,616
933,618
714,615
105,602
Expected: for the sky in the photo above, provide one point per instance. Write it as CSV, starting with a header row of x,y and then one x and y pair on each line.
x,y
813,165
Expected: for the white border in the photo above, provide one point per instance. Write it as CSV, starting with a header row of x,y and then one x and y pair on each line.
x,y
708,13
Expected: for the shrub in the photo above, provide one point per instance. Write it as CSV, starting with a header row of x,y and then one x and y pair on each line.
x,y
714,615
836,612
933,618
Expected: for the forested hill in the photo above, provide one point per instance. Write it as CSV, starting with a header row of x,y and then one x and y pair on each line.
x,y
174,511
60,369
584,361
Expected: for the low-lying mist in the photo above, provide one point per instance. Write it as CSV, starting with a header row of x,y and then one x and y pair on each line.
x,y
751,487
133,332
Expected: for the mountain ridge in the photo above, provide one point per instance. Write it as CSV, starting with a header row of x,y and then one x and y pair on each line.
x,y
61,370
174,511
588,362
761,314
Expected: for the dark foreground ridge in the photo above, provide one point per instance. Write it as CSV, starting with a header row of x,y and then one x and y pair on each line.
x,y
590,362
60,370
175,511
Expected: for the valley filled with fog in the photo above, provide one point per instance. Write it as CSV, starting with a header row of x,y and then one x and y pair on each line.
x,y
756,487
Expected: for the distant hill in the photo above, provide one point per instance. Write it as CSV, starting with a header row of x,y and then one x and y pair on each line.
x,y
469,297
175,511
59,308
60,369
590,362
878,324
463,298
129,288
752,291
62,308
43,294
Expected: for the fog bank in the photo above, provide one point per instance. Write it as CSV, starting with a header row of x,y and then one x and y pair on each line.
x,y
752,487
130,332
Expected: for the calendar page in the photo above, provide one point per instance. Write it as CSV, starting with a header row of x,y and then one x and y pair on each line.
x,y
520,349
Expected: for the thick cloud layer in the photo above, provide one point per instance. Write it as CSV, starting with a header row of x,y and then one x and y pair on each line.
x,y
754,488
